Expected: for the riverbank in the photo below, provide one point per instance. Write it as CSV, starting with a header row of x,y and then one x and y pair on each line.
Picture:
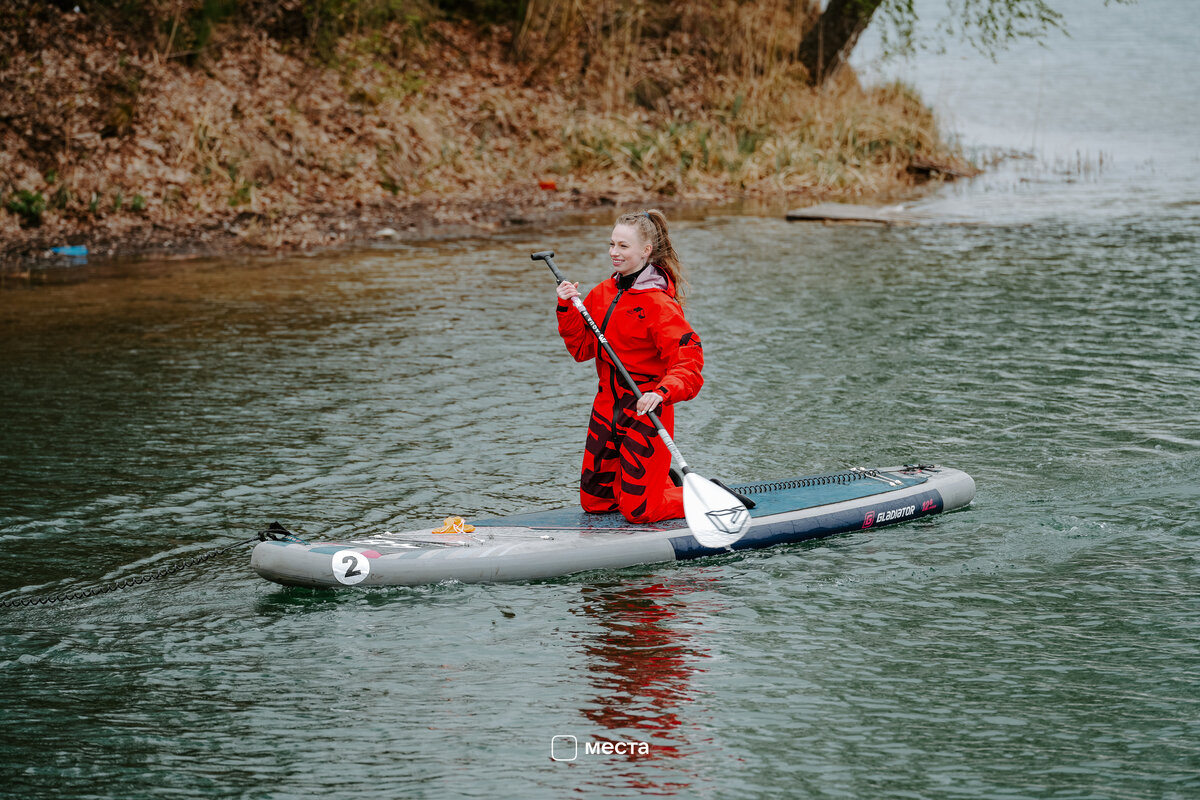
x,y
426,127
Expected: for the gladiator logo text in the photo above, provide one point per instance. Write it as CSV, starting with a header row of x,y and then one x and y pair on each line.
x,y
882,518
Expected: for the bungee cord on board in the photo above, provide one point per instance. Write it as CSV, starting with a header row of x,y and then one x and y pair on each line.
x,y
848,476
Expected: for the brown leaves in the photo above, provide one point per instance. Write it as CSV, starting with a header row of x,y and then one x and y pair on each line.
x,y
410,133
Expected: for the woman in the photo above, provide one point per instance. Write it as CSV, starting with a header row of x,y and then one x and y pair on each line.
x,y
626,466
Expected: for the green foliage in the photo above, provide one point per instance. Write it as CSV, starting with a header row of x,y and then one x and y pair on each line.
x,y
137,17
190,29
137,204
328,21
391,184
748,141
637,152
243,192
201,22
988,25
29,206
490,12
61,197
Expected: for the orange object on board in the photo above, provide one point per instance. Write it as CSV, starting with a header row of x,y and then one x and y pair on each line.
x,y
454,525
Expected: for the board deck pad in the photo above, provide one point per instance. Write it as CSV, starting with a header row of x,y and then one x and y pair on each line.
x,y
770,497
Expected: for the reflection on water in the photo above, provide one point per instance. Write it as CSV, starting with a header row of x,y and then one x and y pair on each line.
x,y
641,664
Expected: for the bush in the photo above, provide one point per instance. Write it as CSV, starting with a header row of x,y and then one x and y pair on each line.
x,y
29,206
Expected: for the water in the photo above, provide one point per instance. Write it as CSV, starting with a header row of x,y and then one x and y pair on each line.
x,y
1105,120
1043,643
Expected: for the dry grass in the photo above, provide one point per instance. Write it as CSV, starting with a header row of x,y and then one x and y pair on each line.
x,y
611,97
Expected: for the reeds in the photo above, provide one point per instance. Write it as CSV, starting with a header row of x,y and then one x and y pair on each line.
x,y
602,46
704,96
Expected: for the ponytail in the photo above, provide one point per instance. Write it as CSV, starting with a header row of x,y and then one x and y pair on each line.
x,y
652,226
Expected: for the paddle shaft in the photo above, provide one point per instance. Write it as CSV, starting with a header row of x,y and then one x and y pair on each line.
x,y
548,257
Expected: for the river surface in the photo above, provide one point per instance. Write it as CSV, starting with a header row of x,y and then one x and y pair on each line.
x,y
1044,643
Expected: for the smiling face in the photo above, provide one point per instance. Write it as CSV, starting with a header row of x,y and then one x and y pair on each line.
x,y
628,251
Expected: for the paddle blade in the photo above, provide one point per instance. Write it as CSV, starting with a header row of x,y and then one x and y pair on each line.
x,y
716,517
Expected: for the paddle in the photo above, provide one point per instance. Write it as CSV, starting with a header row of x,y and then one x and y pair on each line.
x,y
715,517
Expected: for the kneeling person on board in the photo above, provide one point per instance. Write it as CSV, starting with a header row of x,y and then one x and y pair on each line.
x,y
626,466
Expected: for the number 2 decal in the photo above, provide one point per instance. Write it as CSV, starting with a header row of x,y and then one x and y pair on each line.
x,y
350,566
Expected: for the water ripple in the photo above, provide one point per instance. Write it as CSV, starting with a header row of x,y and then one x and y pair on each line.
x,y
1042,643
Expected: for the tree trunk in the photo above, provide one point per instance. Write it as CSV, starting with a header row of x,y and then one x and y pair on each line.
x,y
827,46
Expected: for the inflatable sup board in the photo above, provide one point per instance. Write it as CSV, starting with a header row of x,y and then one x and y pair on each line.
x,y
550,544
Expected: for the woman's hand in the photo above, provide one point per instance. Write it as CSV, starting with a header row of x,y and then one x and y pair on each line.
x,y
567,290
648,402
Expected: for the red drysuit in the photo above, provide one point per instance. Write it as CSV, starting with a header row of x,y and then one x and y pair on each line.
x,y
626,466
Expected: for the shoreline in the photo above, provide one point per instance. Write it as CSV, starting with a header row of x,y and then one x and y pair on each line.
x,y
247,234
241,235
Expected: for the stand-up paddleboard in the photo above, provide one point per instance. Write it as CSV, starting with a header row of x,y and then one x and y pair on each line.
x,y
550,544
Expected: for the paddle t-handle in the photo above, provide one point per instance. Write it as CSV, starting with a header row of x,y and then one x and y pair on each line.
x,y
548,257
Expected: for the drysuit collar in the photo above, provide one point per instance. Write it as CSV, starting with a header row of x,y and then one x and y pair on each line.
x,y
648,277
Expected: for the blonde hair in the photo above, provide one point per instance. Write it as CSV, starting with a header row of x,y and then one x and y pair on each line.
x,y
652,227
